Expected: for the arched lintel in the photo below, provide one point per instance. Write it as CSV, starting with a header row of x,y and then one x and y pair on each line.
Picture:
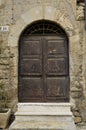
x,y
35,14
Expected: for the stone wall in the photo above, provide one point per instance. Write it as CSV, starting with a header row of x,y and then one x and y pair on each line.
x,y
80,84
15,15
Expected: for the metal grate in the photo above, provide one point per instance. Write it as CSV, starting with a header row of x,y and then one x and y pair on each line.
x,y
43,27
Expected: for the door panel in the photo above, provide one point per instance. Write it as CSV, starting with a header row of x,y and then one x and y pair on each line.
x,y
30,70
56,47
56,66
43,69
32,87
57,86
31,47
31,67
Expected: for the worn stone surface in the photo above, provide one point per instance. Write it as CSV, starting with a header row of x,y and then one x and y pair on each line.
x,y
77,119
80,11
70,17
46,116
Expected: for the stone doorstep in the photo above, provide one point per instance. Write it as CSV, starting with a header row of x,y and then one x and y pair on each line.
x,y
18,113
77,128
44,108
43,116
34,125
43,111
43,104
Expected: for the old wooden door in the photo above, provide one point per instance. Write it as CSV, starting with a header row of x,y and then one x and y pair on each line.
x,y
43,69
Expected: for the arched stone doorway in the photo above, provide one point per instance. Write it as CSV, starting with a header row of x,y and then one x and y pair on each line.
x,y
46,112
43,63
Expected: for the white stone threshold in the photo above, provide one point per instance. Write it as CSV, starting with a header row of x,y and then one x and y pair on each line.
x,y
44,104
43,116
44,109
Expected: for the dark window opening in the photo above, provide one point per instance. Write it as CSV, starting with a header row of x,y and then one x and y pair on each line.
x,y
43,27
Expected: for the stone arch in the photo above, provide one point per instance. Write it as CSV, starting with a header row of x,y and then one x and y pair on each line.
x,y
38,13
34,14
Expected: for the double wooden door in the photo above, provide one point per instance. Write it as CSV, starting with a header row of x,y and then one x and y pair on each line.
x,y
43,69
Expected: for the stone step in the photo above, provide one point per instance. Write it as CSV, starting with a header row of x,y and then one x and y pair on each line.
x,y
43,113
44,107
43,125
43,116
